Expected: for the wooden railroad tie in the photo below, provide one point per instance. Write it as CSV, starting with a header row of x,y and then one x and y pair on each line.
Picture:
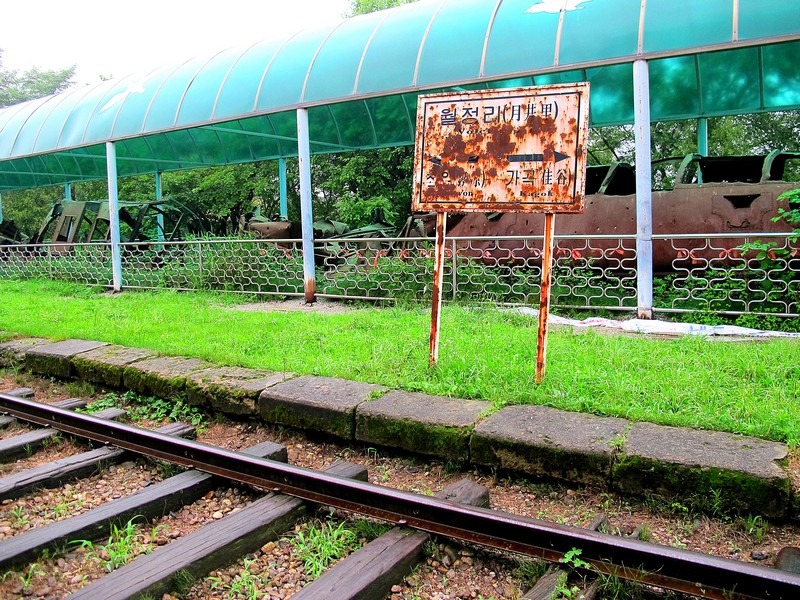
x,y
371,571
210,547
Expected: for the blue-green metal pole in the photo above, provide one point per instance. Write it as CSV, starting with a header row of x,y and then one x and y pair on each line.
x,y
306,216
67,192
160,216
282,184
702,136
644,194
113,216
1,208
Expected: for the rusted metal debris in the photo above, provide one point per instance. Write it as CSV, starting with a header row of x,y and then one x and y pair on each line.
x,y
681,570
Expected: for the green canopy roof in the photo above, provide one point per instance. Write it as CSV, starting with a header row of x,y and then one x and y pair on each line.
x,y
360,80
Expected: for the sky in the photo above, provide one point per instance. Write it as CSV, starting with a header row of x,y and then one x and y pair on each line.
x,y
114,38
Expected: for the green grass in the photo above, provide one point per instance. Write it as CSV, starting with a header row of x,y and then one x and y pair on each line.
x,y
320,543
486,354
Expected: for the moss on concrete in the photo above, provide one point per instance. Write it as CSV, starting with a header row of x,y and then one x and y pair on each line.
x,y
721,490
310,418
415,436
585,467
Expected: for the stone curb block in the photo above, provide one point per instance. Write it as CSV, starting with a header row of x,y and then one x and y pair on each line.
x,y
547,442
12,352
322,404
105,365
723,470
232,390
55,360
431,425
163,377
732,472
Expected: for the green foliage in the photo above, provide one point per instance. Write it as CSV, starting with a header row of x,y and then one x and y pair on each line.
x,y
18,514
123,544
16,87
572,559
27,577
485,353
351,185
368,530
528,571
754,526
362,7
245,584
372,275
252,267
614,588
148,408
321,543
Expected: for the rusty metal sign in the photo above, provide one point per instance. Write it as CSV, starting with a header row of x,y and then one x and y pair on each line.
x,y
507,150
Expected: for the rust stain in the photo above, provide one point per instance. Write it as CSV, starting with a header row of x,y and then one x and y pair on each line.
x,y
438,275
516,150
310,291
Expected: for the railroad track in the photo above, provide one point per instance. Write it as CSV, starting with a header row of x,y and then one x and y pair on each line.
x,y
459,513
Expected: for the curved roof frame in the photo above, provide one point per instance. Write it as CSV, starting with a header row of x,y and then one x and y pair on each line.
x,y
360,78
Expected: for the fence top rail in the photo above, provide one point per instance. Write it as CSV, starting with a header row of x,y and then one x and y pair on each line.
x,y
348,241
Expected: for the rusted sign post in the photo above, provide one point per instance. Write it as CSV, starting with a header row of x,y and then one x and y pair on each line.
x,y
506,150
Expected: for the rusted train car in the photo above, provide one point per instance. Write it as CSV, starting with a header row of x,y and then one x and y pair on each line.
x,y
711,195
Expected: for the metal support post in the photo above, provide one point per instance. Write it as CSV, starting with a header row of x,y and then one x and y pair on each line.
x,y
1,208
702,142
306,212
438,279
159,216
283,191
644,195
113,215
67,192
702,136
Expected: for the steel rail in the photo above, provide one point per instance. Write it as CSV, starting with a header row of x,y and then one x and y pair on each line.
x,y
680,570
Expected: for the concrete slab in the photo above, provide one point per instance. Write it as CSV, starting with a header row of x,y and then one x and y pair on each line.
x,y
105,365
12,352
55,359
232,390
323,404
163,377
723,470
423,424
546,442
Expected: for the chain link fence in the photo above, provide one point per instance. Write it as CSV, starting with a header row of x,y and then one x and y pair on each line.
x,y
699,273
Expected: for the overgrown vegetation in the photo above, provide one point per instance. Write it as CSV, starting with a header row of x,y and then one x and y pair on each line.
x,y
122,545
140,408
485,353
320,543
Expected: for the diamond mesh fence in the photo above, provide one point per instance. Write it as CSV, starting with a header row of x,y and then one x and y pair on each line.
x,y
754,274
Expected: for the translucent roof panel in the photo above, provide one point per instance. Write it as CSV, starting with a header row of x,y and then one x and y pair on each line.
x,y
453,47
342,53
360,79
286,73
389,62
781,75
704,23
512,22
592,32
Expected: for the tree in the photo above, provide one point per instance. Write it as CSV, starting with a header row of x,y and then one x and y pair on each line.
x,y
35,83
27,208
362,7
